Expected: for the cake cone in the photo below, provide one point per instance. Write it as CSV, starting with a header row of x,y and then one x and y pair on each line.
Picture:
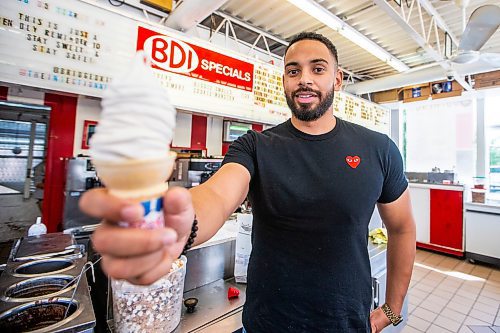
x,y
142,181
138,180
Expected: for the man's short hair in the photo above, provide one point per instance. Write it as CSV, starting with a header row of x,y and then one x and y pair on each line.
x,y
314,36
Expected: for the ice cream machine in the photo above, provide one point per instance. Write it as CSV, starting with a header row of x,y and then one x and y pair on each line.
x,y
189,172
80,177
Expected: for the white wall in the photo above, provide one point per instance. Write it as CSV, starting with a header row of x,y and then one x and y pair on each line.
x,y
182,134
214,136
26,95
87,108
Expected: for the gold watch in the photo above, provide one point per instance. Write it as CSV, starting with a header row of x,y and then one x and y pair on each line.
x,y
394,318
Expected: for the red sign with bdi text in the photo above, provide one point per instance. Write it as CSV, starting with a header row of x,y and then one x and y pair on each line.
x,y
174,55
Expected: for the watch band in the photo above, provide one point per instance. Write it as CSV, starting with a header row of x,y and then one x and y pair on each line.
x,y
394,318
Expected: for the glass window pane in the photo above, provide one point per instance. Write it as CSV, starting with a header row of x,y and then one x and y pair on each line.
x,y
14,146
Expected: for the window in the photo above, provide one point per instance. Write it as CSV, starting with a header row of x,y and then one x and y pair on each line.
x,y
440,134
14,146
492,136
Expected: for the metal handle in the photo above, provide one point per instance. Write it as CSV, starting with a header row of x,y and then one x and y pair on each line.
x,y
376,293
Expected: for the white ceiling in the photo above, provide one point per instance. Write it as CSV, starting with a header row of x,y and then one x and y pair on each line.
x,y
283,19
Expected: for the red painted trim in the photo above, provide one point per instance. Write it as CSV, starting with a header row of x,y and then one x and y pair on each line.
x,y
59,146
4,92
225,147
446,218
257,127
198,132
438,248
87,124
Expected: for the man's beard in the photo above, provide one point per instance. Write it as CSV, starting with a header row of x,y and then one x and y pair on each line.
x,y
303,111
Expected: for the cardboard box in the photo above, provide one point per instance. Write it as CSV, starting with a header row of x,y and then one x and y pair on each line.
x,y
162,5
456,89
416,93
387,96
487,80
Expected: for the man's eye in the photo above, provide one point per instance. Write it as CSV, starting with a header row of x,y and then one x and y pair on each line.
x,y
319,69
293,72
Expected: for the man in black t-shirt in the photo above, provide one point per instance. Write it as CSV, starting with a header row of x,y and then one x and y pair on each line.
x,y
313,183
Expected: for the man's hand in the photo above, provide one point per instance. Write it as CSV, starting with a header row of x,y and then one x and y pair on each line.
x,y
378,320
139,256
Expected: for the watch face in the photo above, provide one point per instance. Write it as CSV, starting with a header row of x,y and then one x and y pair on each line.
x,y
398,322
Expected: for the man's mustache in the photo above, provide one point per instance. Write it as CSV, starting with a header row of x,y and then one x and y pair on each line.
x,y
306,90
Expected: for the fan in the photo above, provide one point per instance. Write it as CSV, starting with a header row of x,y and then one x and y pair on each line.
x,y
483,23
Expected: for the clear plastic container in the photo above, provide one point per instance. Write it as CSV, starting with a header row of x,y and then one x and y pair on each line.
x,y
478,195
155,308
479,182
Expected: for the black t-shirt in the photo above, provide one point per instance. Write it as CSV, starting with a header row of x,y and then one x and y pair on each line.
x,y
312,198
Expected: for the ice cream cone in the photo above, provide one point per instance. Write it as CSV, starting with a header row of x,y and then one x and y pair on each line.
x,y
138,180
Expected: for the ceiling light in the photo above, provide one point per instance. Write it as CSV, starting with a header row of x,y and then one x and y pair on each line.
x,y
326,17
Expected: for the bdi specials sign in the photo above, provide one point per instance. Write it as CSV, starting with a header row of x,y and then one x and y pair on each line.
x,y
177,56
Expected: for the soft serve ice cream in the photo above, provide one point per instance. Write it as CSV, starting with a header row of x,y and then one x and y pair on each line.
x,y
130,148
137,119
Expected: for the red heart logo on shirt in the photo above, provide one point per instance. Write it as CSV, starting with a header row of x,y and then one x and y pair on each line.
x,y
353,161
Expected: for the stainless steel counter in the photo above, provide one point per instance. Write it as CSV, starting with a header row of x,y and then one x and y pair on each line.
x,y
377,255
451,187
214,309
490,207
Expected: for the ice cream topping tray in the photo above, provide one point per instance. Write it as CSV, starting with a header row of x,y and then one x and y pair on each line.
x,y
40,290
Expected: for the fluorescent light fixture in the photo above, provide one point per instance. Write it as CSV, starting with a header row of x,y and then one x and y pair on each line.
x,y
25,106
326,17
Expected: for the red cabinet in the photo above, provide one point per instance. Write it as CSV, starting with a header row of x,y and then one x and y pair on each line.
x,y
438,213
446,224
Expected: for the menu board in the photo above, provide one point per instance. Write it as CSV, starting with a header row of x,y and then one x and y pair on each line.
x,y
269,94
62,45
79,48
362,112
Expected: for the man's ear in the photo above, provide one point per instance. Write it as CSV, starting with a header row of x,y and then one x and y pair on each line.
x,y
338,80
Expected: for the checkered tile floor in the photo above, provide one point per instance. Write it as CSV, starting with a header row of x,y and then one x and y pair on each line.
x,y
484,329
453,295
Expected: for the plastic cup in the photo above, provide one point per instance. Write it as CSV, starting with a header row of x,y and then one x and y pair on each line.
x,y
155,308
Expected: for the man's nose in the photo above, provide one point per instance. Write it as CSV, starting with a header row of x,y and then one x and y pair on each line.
x,y
306,79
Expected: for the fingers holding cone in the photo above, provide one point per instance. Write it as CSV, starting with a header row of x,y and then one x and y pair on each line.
x,y
137,255
179,211
100,204
127,242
